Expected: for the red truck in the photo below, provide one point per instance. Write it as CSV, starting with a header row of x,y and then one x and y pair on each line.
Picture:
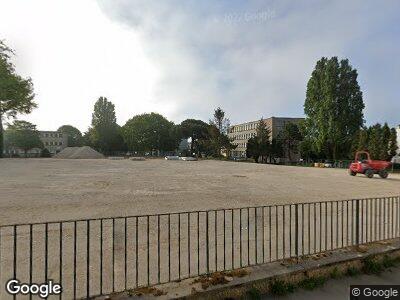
x,y
363,164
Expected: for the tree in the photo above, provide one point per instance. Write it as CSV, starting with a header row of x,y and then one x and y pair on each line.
x,y
259,146
23,135
385,148
393,142
253,149
74,135
16,93
196,130
105,134
263,134
150,132
290,137
218,133
333,107
375,141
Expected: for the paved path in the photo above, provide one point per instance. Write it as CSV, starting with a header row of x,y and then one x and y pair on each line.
x,y
339,288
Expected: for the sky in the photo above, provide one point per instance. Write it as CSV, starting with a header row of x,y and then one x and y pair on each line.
x,y
184,58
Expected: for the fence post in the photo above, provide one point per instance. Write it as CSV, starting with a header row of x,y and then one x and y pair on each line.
x,y
296,230
357,222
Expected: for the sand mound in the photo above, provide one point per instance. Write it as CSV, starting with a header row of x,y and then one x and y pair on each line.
x,y
85,152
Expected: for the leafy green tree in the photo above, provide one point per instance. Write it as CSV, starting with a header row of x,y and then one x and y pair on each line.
x,y
263,138
253,149
393,142
105,134
75,138
385,148
375,141
16,93
333,107
196,130
23,135
259,146
150,132
290,138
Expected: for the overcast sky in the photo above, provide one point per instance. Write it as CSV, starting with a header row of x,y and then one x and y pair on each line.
x,y
184,58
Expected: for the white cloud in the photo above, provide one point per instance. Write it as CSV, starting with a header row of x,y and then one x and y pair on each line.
x,y
74,54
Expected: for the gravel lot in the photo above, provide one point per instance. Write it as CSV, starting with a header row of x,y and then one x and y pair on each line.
x,y
33,190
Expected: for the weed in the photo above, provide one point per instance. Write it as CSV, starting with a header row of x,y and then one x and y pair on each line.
x,y
388,262
335,274
352,271
253,294
312,282
372,266
279,287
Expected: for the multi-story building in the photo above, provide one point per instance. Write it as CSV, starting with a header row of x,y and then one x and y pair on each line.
x,y
53,141
241,133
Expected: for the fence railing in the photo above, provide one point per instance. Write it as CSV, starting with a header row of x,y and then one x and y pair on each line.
x,y
99,256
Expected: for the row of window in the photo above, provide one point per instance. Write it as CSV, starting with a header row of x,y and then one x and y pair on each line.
x,y
53,143
241,145
248,126
52,135
244,136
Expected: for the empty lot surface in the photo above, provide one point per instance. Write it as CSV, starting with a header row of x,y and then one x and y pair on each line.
x,y
33,190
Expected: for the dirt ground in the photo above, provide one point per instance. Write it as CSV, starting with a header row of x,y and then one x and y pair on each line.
x,y
35,190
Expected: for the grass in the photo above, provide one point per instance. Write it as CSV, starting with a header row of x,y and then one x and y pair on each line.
x,y
312,282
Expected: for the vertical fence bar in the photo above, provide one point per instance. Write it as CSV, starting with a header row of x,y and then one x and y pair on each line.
x,y
290,231
276,232
148,251
240,237
46,252
256,235
309,228
248,236
179,246
302,229
158,251
296,230
263,234
75,259
198,243
326,226
283,231
60,261
224,240
125,253
188,233
320,226
357,222
233,241
270,234
113,255
216,241
101,257
87,259
169,246
315,227
137,251
207,244
30,256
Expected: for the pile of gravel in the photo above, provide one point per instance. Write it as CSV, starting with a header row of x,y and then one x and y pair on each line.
x,y
84,152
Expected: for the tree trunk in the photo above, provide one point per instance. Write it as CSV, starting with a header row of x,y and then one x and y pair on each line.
x,y
1,136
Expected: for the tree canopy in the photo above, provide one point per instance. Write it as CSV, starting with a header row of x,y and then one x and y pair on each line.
x,y
148,132
290,138
74,135
196,130
22,135
16,93
333,108
105,134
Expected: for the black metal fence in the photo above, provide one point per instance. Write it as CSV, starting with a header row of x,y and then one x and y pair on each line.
x,y
100,256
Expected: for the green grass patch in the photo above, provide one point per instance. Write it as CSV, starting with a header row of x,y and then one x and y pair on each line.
x,y
372,265
352,271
